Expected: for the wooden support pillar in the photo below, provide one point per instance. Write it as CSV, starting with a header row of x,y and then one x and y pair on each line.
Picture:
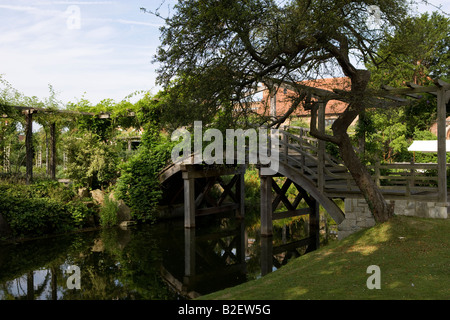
x,y
266,206
29,145
240,193
266,255
314,226
189,254
52,162
189,203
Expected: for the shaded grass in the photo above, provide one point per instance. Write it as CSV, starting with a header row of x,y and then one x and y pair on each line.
x,y
413,255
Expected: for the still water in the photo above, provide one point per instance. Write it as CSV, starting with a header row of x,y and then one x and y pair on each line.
x,y
162,261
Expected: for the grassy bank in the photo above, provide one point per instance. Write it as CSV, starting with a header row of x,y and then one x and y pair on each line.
x,y
413,255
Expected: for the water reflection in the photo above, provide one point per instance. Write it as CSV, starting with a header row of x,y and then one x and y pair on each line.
x,y
164,261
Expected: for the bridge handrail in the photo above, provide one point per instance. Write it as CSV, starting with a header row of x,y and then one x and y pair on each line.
x,y
308,147
405,177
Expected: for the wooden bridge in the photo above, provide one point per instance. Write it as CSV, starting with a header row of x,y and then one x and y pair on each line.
x,y
318,177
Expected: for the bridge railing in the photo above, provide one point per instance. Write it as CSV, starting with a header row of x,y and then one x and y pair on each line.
x,y
409,179
308,154
329,174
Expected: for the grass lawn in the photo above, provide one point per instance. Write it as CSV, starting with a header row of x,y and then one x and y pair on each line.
x,y
413,255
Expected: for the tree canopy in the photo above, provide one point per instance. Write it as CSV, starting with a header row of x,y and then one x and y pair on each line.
x,y
418,52
215,53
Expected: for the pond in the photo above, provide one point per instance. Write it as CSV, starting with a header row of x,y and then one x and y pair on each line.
x,y
161,261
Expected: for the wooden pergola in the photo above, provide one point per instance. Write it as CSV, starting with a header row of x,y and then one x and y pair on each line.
x,y
441,90
28,112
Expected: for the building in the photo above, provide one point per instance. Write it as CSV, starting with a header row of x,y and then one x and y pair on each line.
x,y
278,104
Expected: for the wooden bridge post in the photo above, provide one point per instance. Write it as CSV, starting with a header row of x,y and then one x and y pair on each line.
x,y
240,193
314,226
266,255
189,198
189,255
321,147
266,206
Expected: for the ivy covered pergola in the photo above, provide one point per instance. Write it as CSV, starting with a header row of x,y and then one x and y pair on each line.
x,y
29,113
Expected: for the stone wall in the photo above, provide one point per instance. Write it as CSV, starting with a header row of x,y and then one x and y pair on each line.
x,y
422,209
358,215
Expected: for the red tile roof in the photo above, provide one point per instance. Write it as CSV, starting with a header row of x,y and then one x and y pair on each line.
x,y
283,97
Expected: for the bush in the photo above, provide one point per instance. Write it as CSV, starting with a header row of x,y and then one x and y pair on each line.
x,y
29,210
108,213
138,184
81,215
92,163
35,216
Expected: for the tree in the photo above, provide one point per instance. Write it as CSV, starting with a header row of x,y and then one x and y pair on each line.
x,y
417,52
217,52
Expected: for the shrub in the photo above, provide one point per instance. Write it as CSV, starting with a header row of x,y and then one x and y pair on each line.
x,y
108,213
29,211
34,216
91,162
81,215
138,185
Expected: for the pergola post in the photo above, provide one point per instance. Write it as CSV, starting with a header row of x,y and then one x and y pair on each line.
x,y
29,145
442,152
52,162
321,147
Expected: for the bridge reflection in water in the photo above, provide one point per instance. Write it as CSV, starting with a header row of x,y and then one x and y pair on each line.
x,y
230,255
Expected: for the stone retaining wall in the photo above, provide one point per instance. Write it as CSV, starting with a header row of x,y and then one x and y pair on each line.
x,y
358,215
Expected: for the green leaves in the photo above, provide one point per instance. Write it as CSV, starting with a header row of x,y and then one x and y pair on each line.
x,y
138,185
418,50
31,213
92,162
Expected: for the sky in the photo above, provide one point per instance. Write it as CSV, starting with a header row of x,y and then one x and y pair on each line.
x,y
91,49
95,49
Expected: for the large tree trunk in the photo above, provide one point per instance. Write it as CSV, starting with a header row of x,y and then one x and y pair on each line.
x,y
371,192
380,209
